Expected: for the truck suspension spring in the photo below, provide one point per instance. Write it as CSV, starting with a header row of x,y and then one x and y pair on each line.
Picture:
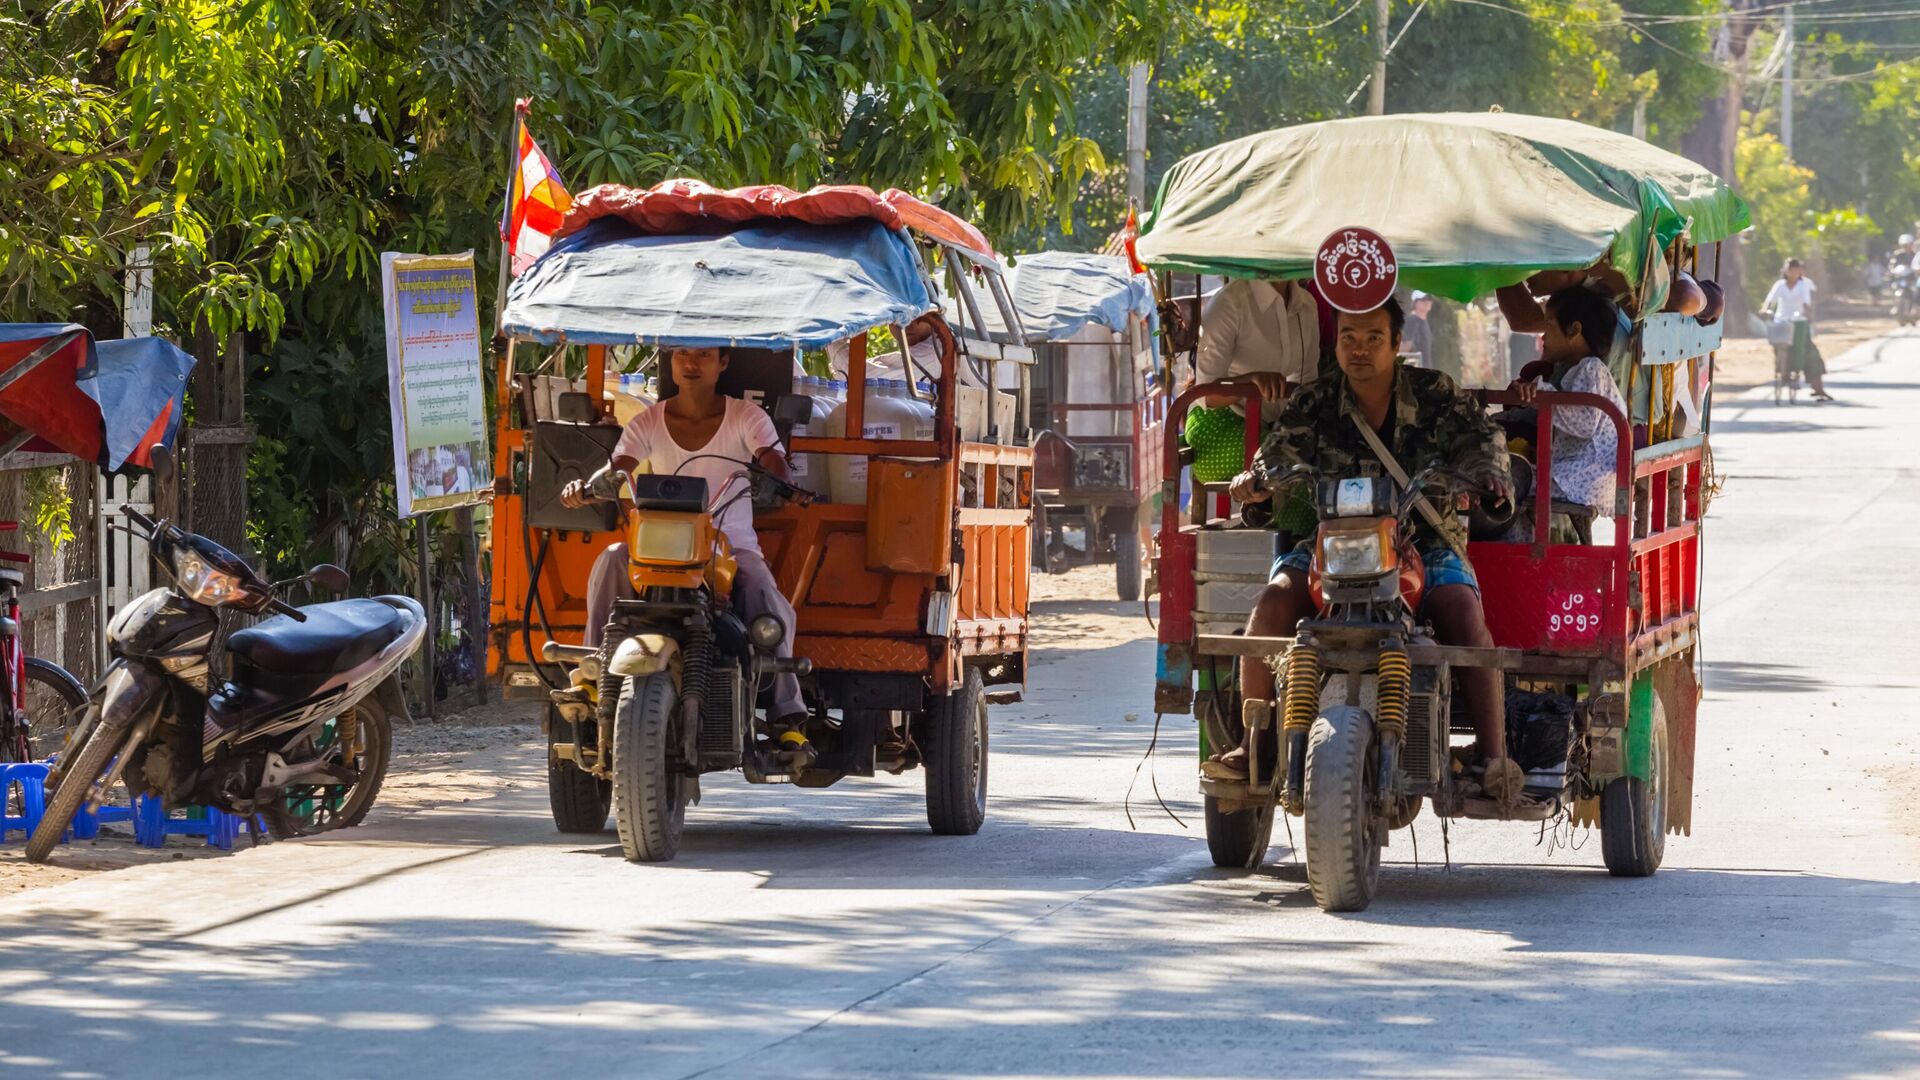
x,y
1393,691
1303,688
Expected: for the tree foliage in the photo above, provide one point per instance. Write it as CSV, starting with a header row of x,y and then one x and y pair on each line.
x,y
1238,67
267,151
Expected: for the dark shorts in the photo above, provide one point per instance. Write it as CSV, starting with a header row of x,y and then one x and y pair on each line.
x,y
1443,568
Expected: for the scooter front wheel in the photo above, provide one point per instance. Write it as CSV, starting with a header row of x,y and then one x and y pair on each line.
x,y
649,794
76,780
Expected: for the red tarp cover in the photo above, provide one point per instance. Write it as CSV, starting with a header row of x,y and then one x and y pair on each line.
x,y
48,400
675,206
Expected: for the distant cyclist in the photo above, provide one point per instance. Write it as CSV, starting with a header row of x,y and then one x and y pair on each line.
x,y
1790,306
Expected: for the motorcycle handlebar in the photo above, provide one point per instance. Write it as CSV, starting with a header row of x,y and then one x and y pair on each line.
x,y
137,517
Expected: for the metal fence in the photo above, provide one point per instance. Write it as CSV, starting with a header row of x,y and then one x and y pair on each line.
x,y
60,603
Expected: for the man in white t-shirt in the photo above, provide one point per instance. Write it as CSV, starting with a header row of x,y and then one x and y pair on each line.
x,y
699,432
1263,332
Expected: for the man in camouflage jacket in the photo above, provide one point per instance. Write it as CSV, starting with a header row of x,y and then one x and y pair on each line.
x,y
1424,420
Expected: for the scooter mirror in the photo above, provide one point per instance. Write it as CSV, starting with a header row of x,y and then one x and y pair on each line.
x,y
162,457
331,578
793,409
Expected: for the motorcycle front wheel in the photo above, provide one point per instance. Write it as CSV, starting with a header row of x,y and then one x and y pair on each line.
x,y
649,794
1342,840
362,740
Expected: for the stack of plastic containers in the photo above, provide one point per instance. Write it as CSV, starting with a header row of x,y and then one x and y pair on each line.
x,y
890,413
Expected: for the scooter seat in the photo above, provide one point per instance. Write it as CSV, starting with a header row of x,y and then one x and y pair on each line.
x,y
336,637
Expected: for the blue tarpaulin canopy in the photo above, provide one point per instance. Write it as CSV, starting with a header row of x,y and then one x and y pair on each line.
x,y
105,401
771,285
1060,293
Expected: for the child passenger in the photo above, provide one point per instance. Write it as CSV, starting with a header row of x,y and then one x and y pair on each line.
x,y
1577,327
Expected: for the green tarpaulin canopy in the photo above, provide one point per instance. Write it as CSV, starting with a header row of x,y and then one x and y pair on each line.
x,y
1469,201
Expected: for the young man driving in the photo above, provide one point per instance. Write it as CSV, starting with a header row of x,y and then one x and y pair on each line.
x,y
1425,421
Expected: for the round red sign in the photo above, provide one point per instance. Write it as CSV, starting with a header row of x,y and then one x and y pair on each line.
x,y
1355,270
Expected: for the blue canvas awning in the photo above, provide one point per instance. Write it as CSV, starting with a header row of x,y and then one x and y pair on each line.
x,y
773,285
1060,293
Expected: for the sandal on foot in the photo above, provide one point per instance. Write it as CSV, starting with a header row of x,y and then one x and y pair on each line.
x,y
1231,765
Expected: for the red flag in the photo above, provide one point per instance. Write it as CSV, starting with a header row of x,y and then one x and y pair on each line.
x,y
1129,237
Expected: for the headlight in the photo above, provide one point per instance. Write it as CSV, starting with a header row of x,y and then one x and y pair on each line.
x,y
766,632
1351,554
666,540
201,581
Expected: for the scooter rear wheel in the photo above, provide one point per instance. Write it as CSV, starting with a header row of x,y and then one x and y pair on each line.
x,y
316,808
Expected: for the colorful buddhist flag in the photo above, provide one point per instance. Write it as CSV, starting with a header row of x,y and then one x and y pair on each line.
x,y
536,199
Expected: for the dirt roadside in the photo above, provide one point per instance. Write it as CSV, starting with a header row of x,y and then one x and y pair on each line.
x,y
453,760
481,751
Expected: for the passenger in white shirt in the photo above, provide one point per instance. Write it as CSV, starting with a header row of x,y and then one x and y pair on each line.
x,y
699,432
1263,332
1790,302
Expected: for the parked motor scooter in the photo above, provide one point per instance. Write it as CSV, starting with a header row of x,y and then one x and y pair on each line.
x,y
300,729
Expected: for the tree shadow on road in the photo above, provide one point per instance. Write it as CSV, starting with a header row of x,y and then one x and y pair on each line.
x,y
1569,972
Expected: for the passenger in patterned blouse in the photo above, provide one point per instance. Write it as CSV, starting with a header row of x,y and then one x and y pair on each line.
x,y
1577,327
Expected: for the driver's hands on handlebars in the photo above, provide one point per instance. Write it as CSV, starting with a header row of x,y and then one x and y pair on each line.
x,y
602,486
1249,487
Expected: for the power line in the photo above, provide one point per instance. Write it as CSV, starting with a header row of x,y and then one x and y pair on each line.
x,y
1730,70
1311,28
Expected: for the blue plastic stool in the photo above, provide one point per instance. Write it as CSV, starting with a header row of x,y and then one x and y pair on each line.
x,y
32,778
152,824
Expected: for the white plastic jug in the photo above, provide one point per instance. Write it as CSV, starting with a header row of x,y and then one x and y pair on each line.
x,y
888,415
630,397
809,470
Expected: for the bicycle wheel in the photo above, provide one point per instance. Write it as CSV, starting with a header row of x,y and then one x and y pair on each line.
x,y
52,700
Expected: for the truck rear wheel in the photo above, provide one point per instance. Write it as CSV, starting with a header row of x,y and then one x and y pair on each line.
x,y
1126,561
1238,838
579,799
1633,812
956,756
1343,846
649,794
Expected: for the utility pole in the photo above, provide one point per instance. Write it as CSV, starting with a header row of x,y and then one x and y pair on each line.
x,y
1137,136
1377,91
1786,85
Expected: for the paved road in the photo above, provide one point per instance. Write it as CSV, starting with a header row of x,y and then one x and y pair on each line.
x,y
826,934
